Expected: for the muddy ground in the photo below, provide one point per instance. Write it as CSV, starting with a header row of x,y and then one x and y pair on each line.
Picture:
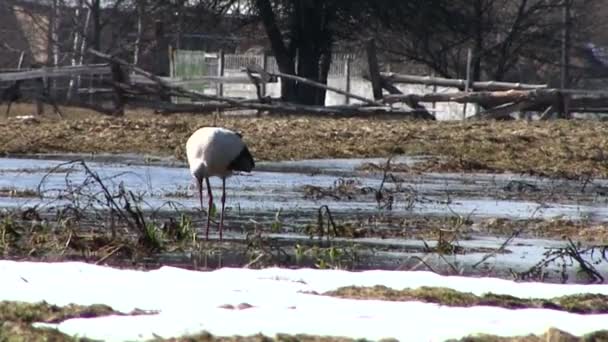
x,y
413,217
556,148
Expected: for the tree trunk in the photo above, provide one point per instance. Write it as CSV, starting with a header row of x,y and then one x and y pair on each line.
x,y
96,22
285,60
479,46
309,41
308,67
326,60
180,24
140,17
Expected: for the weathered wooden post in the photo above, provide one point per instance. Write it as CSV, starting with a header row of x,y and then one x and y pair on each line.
x,y
347,78
467,83
220,72
265,68
172,69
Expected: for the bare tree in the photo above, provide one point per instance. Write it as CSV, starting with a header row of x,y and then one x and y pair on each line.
x,y
503,34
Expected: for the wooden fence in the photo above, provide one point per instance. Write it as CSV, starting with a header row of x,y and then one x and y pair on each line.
x,y
128,84
192,65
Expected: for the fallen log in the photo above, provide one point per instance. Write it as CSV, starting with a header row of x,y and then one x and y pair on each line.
x,y
502,111
459,97
458,83
412,104
323,86
163,107
281,107
539,97
181,81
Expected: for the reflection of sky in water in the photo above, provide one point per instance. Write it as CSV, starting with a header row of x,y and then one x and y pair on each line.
x,y
521,255
268,190
279,186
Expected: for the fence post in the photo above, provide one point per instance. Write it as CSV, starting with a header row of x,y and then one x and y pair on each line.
x,y
171,61
347,78
172,73
40,89
468,83
220,73
265,68
434,91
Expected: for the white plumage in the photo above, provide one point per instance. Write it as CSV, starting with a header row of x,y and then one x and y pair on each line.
x,y
215,151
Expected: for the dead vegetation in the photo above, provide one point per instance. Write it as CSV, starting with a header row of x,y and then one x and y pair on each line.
x,y
577,230
99,220
553,335
43,312
581,303
16,319
572,149
13,192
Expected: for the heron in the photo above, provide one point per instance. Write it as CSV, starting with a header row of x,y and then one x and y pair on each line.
x,y
216,152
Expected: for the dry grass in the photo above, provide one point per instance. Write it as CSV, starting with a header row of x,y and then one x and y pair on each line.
x,y
16,319
581,303
556,148
589,232
431,228
44,312
552,335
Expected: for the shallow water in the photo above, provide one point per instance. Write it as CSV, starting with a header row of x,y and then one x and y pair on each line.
x,y
258,197
275,186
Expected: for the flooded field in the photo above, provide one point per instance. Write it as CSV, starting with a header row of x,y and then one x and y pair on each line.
x,y
332,213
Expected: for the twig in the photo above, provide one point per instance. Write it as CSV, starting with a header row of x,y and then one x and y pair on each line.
x,y
585,265
329,219
109,254
500,249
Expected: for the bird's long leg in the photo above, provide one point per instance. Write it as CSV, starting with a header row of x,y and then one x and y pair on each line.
x,y
210,206
223,203
199,185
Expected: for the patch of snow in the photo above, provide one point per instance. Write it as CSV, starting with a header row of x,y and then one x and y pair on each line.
x,y
190,302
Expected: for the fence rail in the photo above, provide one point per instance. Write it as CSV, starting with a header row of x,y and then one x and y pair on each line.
x,y
192,71
65,71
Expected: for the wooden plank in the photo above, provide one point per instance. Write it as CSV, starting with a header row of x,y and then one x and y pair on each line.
x,y
220,72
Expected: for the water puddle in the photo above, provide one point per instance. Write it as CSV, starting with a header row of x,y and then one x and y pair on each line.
x,y
292,192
